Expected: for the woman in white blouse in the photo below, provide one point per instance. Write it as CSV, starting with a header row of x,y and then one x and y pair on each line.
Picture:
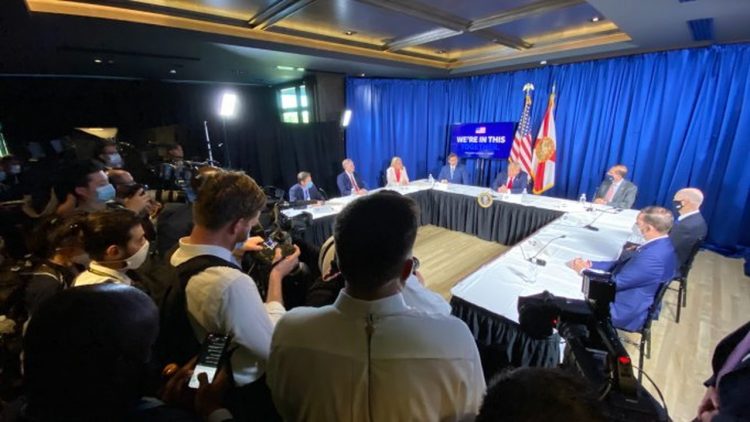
x,y
396,173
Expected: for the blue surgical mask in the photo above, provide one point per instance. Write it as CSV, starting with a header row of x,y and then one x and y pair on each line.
x,y
105,193
309,185
114,160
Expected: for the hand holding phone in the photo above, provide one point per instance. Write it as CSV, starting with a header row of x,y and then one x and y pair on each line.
x,y
212,356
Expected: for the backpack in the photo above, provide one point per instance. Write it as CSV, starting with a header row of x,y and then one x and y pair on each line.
x,y
177,342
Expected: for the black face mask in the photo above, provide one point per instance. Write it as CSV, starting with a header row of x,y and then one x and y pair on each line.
x,y
610,177
677,205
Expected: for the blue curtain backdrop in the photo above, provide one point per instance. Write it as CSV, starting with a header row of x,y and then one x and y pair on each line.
x,y
676,119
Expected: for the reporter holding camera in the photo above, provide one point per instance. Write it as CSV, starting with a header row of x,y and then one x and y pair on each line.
x,y
220,297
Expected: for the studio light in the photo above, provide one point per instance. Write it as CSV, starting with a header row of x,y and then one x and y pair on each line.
x,y
228,105
346,117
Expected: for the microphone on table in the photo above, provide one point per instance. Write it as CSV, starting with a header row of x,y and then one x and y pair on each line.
x,y
590,226
534,259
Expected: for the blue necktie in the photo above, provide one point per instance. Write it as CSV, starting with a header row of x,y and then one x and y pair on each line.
x,y
307,194
452,173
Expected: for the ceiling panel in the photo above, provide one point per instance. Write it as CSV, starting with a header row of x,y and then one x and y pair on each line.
x,y
475,9
464,41
372,24
569,17
239,9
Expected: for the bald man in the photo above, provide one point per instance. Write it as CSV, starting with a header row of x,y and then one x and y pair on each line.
x,y
690,229
615,191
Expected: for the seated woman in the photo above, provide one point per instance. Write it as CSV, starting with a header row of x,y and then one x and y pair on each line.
x,y
396,173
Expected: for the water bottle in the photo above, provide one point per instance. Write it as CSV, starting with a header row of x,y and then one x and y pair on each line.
x,y
524,195
582,200
431,180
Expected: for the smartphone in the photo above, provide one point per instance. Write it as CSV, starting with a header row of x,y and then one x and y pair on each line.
x,y
212,355
270,244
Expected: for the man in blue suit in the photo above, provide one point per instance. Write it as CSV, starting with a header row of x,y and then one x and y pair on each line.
x,y
513,181
349,181
304,191
690,229
638,274
453,172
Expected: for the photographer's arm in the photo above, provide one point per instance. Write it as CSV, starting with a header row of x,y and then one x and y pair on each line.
x,y
281,268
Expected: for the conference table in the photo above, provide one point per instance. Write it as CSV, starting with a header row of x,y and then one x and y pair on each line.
x,y
543,228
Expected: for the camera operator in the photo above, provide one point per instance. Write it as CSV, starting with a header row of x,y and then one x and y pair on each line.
x,y
639,274
219,297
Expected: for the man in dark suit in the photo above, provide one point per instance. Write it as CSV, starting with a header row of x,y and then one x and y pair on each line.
x,y
615,191
639,274
453,172
726,397
690,228
304,191
349,181
513,181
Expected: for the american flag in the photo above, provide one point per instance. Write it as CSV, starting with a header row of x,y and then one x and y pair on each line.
x,y
521,152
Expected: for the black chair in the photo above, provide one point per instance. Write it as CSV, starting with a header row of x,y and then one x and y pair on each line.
x,y
644,347
682,279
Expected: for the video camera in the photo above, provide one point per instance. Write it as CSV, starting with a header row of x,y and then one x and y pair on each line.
x,y
593,347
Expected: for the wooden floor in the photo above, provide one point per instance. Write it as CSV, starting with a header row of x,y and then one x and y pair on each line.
x,y
446,257
718,302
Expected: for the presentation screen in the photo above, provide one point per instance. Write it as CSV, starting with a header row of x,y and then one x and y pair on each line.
x,y
482,140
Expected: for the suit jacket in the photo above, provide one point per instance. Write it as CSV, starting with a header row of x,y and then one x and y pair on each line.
x,y
624,197
345,185
459,174
390,177
520,182
638,276
297,193
685,235
174,221
734,384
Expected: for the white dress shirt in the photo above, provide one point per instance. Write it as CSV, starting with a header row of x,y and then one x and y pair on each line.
x,y
423,299
98,273
684,216
372,361
226,300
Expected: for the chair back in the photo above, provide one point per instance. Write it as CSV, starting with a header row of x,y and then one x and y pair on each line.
x,y
685,269
654,308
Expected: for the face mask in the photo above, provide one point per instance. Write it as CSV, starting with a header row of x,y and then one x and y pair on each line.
x,y
610,178
2,176
105,193
114,160
138,258
636,230
677,205
15,169
309,185
82,259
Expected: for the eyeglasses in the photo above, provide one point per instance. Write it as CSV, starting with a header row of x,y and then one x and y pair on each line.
x,y
415,267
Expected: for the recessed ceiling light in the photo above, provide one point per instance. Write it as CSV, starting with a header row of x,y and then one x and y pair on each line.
x,y
97,60
284,68
362,75
173,71
350,32
110,61
595,19
543,62
300,69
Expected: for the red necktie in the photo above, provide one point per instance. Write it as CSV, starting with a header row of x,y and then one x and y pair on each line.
x,y
509,185
354,183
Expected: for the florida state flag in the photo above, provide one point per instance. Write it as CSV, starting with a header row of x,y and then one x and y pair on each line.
x,y
545,150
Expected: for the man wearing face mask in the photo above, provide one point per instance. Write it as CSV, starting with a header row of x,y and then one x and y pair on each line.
x,y
116,243
83,186
690,228
615,191
304,192
219,296
639,274
107,153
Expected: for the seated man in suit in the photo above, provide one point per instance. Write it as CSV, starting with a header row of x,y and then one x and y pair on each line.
x,y
513,181
453,172
615,191
690,228
726,392
349,181
304,191
638,275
